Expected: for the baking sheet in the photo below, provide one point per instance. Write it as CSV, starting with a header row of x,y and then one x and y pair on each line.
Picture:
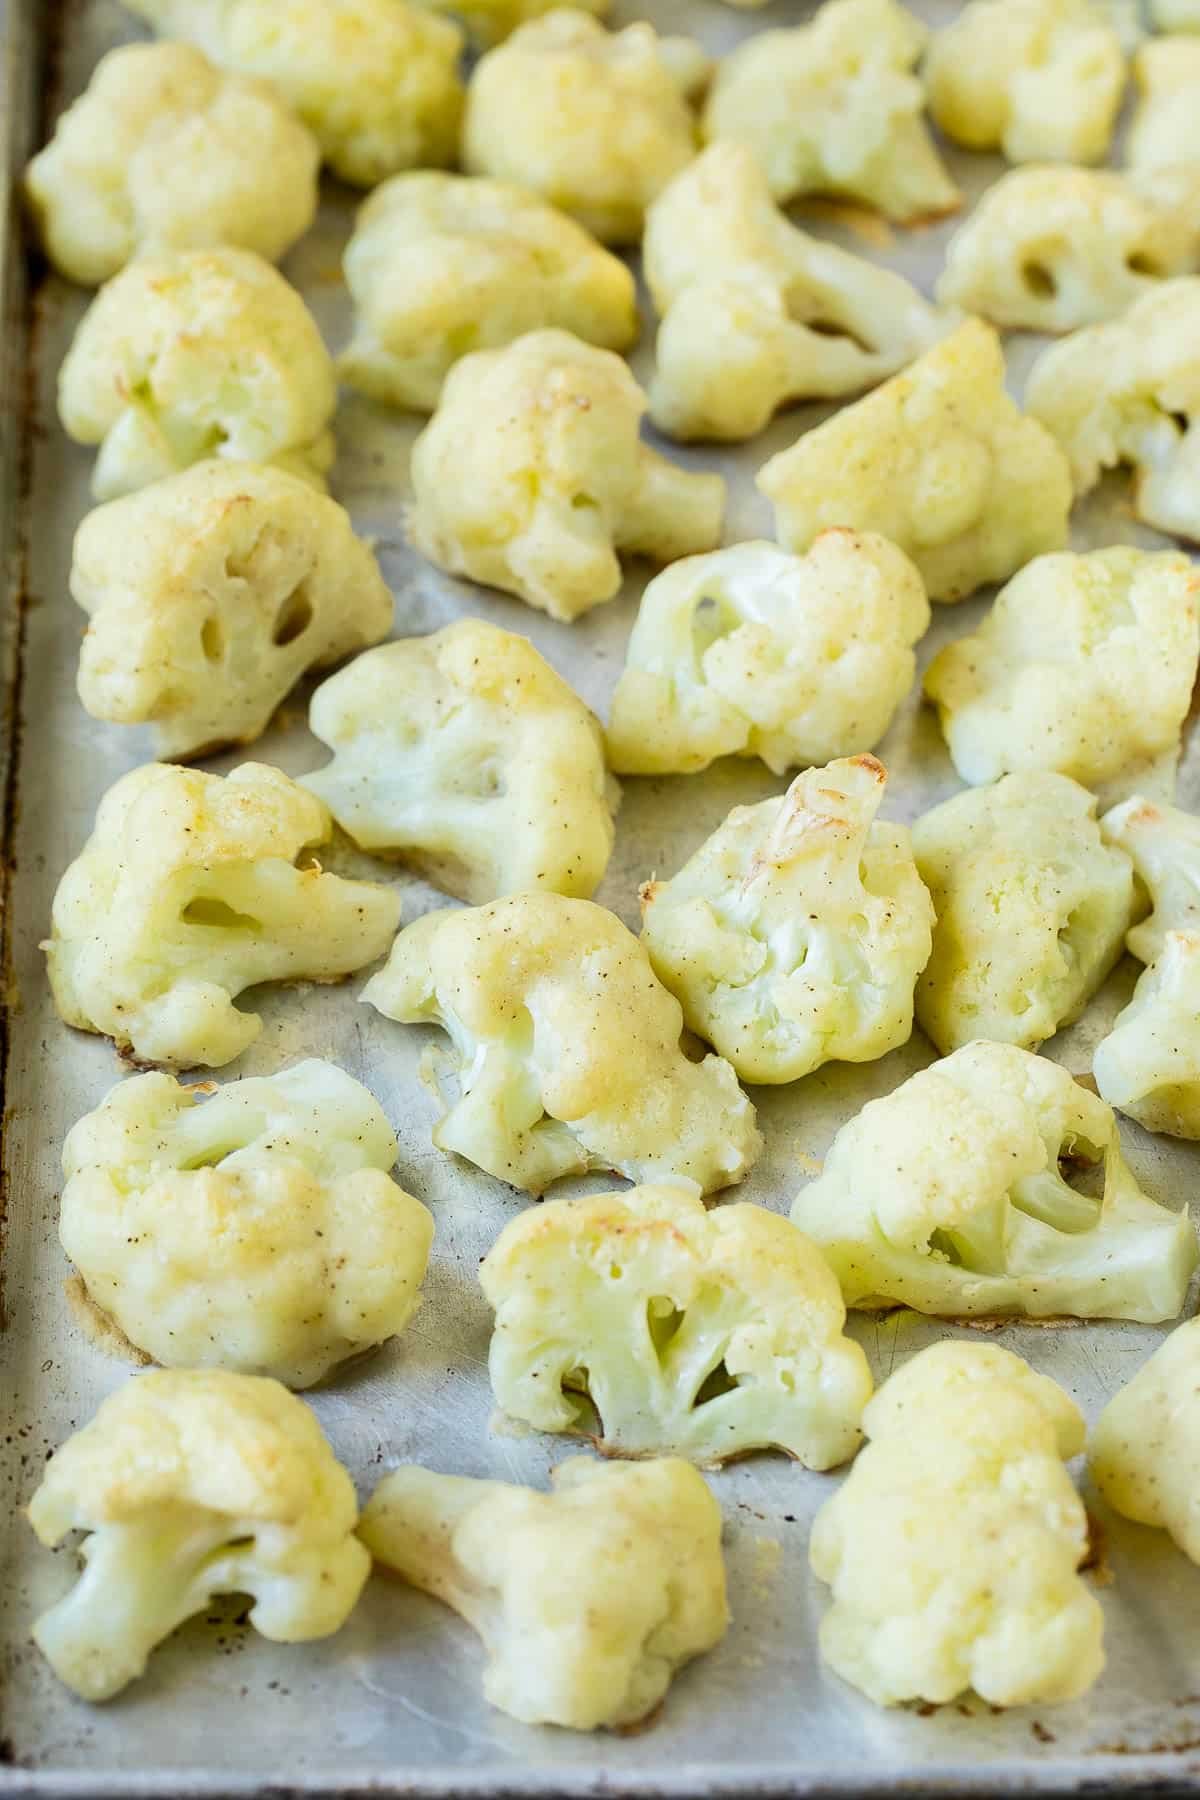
x,y
393,1703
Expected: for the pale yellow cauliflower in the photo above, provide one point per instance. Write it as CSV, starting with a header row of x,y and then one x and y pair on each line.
x,y
795,934
566,1046
210,593
1165,133
443,264
1164,843
465,754
1145,1450
953,1545
489,22
186,893
192,354
257,1230
703,1334
940,460
587,1599
531,477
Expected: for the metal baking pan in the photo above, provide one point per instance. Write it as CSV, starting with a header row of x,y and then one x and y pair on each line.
x,y
392,1705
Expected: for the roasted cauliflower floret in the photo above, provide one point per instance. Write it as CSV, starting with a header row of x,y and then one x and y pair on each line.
x,y
442,264
465,754
953,1544
489,22
1085,665
257,1231
1165,133
1145,1450
795,934
189,1485
531,477
567,1048
187,892
192,354
833,107
959,1194
938,459
752,652
705,1334
210,594
1032,908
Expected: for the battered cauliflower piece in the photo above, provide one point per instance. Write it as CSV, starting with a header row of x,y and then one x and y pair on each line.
x,y
192,354
795,934
257,1231
702,1334
210,594
1165,133
1085,665
185,894
489,22
531,476
756,314
189,1485
953,1544
588,1598
833,107
441,264
375,81
165,152
753,652
1032,908
1040,80
954,1195
941,461
566,1046
1145,1450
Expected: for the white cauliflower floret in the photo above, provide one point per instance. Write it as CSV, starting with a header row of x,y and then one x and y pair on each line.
x,y
375,81
970,1191
1145,1450
597,122
1032,908
489,22
1165,133
1085,665
189,1485
1165,846
795,934
1175,15
953,1544
257,1231
588,1598
753,652
192,354
705,1334
164,152
940,460
833,107
210,594
531,476
185,894
442,264
567,1048
755,313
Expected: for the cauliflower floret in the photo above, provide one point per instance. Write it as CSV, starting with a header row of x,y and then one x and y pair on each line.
x,y
489,22
530,476
1165,133
210,594
186,893
756,314
376,81
752,652
706,1334
192,354
165,152
1149,1065
567,1048
1175,15
1165,846
258,1231
1039,79
938,459
1145,1450
953,1544
441,264
1085,664
588,1598
189,1485
794,936
1032,908
953,1195
833,107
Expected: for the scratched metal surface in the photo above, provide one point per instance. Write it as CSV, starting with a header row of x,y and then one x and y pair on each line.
x,y
393,1702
